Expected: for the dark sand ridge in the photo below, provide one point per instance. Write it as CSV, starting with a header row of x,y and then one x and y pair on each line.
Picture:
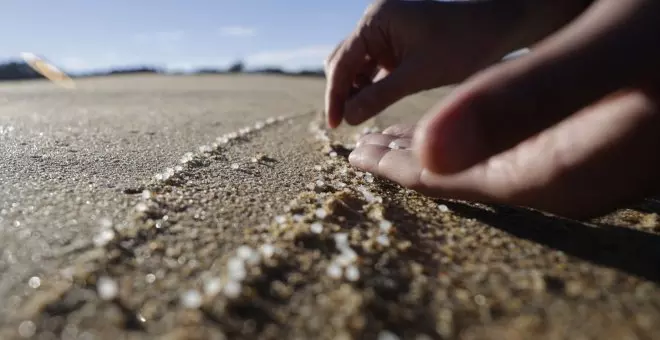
x,y
468,271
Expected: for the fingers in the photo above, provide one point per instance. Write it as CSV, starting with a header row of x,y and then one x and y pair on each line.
x,y
400,166
400,130
395,137
595,161
392,142
613,45
341,71
375,98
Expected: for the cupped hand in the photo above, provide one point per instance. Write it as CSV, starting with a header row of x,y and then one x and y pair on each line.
x,y
571,128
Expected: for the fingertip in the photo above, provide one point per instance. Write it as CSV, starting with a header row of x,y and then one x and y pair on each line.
x,y
366,157
447,141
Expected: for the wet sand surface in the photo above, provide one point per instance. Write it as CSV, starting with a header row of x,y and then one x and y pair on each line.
x,y
218,207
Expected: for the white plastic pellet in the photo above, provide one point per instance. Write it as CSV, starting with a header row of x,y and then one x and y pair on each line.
x,y
316,227
232,289
385,226
352,273
212,286
107,288
334,271
191,299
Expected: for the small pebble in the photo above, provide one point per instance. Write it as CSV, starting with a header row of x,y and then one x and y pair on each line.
x,y
443,208
234,166
280,219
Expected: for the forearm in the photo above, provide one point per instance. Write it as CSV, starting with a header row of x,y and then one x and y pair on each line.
x,y
534,20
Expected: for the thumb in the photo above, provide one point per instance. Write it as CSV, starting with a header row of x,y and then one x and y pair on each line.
x,y
385,91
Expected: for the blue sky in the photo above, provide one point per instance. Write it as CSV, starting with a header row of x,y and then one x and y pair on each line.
x,y
80,35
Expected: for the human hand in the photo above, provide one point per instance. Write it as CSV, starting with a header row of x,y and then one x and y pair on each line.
x,y
571,128
403,47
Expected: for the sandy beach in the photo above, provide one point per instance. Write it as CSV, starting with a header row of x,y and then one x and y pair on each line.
x,y
219,207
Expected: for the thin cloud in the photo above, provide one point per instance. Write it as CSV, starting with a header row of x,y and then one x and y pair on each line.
x,y
159,37
237,31
305,55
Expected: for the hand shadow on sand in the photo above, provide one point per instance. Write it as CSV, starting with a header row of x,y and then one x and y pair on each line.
x,y
632,251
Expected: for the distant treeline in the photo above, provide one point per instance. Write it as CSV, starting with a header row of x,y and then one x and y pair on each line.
x,y
18,70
